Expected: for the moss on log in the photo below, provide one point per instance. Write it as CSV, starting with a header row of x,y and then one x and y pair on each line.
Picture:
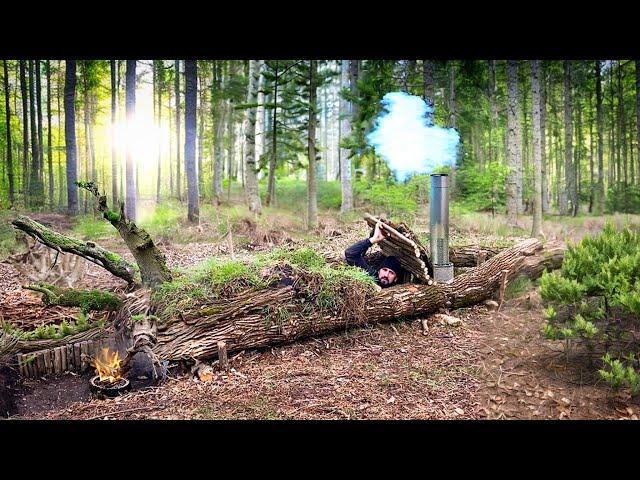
x,y
87,300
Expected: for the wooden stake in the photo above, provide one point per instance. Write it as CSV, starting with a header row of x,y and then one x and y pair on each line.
x,y
77,352
40,366
57,360
222,356
63,359
71,366
503,286
84,351
21,366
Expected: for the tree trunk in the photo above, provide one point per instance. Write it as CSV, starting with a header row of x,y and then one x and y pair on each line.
x,y
49,149
494,108
190,106
637,65
599,201
428,76
39,127
160,86
7,112
536,104
543,141
312,198
271,180
70,297
240,321
345,133
218,145
622,127
35,187
569,172
114,157
150,260
70,136
260,132
61,182
177,99
25,133
512,144
130,93
251,189
592,184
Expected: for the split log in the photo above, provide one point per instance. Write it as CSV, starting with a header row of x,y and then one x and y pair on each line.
x,y
241,324
150,260
87,300
112,262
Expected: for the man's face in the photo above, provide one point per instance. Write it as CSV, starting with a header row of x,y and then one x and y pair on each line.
x,y
386,276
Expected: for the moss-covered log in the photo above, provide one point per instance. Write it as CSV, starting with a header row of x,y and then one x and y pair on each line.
x,y
150,260
277,315
112,262
87,300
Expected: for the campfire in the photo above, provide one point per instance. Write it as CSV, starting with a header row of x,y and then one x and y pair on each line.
x,y
109,380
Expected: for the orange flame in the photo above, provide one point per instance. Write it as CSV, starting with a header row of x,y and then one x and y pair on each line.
x,y
108,366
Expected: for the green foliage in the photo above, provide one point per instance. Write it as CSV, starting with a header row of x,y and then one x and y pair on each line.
x,y
397,200
482,190
605,266
619,375
54,332
291,193
560,289
623,198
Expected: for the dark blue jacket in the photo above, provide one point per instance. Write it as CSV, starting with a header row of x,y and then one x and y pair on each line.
x,y
355,257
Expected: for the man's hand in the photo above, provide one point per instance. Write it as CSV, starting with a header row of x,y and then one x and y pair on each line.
x,y
378,234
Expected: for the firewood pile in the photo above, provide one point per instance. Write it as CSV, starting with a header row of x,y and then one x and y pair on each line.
x,y
403,244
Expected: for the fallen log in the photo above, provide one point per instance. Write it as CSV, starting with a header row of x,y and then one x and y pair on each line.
x,y
242,324
110,261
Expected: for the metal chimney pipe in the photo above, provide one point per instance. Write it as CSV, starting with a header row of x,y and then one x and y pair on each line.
x,y
439,228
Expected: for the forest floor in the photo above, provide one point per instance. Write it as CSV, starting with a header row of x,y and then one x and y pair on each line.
x,y
494,365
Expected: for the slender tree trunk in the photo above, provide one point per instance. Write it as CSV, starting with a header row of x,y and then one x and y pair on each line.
x,y
543,136
160,87
252,192
569,173
260,132
311,174
200,120
623,126
345,133
25,132
512,144
220,118
7,112
70,136
178,143
49,150
637,65
599,203
130,93
170,147
536,230
611,180
190,108
271,181
35,183
453,114
114,158
591,172
61,182
428,71
494,107
40,142
231,129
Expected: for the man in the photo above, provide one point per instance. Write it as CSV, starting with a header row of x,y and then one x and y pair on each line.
x,y
387,274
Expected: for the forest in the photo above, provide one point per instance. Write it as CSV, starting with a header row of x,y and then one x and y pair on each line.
x,y
183,192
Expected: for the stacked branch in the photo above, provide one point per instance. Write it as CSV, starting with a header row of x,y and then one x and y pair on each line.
x,y
87,300
412,255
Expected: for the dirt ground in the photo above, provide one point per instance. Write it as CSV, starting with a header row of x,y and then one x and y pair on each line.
x,y
494,365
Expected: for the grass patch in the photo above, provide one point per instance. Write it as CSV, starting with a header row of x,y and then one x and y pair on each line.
x,y
89,228
517,287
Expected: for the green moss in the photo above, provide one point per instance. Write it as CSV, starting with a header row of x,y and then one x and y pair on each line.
x,y
113,217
